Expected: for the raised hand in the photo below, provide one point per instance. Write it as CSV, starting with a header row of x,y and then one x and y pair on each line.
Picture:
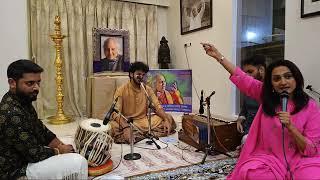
x,y
212,51
174,87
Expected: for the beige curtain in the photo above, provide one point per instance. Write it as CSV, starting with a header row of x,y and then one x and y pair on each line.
x,y
78,17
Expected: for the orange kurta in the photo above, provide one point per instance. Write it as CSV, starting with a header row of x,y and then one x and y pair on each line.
x,y
133,103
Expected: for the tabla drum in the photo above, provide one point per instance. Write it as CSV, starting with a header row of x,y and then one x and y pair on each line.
x,y
93,141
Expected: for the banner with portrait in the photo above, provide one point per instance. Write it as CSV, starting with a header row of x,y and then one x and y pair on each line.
x,y
173,87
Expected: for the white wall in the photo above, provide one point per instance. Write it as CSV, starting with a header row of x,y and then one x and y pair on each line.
x,y
207,73
13,35
302,43
301,46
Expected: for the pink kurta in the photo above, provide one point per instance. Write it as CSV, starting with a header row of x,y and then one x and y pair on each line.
x,y
262,155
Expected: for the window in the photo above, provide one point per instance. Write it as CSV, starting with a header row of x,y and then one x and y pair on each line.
x,y
260,31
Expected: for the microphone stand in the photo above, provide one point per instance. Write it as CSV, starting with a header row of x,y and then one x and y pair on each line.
x,y
210,148
309,87
132,155
149,135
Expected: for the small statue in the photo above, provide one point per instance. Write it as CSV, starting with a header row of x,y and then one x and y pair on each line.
x,y
164,54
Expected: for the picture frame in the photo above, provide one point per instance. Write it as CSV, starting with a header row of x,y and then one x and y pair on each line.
x,y
110,50
195,15
310,8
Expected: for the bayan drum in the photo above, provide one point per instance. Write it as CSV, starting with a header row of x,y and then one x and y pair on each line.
x,y
93,141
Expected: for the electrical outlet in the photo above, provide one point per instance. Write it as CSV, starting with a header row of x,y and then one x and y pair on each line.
x,y
187,45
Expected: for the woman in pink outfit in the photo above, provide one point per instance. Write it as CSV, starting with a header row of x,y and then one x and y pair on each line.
x,y
280,145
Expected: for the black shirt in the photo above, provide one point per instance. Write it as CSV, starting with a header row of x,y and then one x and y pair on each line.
x,y
23,137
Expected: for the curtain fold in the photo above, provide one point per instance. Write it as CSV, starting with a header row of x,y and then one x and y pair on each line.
x,y
78,18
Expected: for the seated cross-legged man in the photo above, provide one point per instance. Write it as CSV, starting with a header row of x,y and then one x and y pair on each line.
x,y
133,104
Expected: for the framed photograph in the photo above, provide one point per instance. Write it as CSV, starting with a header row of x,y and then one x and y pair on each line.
x,y
110,50
195,15
310,8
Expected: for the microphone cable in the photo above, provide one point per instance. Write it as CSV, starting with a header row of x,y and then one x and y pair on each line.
x,y
185,52
153,149
101,176
186,148
284,154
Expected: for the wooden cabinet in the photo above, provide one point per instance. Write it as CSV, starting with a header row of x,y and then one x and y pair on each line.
x,y
102,89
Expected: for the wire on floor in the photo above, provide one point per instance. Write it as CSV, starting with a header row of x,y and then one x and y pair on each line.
x,y
121,157
187,147
136,146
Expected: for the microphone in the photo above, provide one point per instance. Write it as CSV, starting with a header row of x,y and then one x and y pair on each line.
x,y
201,110
284,101
309,87
107,118
213,92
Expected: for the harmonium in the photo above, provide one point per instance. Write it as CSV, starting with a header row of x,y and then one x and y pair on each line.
x,y
224,135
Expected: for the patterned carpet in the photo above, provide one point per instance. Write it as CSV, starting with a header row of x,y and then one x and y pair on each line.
x,y
210,170
169,159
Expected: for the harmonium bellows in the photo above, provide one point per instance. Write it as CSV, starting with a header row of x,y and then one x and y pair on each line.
x,y
224,134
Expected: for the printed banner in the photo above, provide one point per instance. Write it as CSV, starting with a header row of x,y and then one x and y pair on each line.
x,y
173,87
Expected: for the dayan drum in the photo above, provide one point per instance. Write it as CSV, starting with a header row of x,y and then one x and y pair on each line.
x,y
93,141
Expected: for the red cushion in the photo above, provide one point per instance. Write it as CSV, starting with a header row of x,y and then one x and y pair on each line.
x,y
100,170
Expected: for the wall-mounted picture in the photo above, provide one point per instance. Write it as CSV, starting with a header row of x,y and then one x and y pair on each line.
x,y
195,15
111,50
310,8
173,87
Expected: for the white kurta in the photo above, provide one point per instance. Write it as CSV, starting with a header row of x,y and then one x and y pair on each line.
x,y
62,166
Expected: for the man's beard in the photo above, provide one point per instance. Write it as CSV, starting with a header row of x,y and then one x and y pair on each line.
x,y
137,81
28,98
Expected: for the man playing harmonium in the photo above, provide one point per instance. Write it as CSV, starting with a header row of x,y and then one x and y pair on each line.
x,y
133,104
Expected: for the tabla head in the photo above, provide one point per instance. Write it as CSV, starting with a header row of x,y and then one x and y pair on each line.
x,y
94,125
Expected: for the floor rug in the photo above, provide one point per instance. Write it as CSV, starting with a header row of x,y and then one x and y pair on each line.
x,y
210,170
170,156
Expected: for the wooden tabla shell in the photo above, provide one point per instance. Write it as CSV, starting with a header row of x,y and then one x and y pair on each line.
x,y
93,141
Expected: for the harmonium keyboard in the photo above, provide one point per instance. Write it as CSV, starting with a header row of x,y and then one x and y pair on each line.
x,y
224,135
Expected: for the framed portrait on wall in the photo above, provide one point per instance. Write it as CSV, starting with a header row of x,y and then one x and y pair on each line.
x,y
310,8
110,50
195,15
